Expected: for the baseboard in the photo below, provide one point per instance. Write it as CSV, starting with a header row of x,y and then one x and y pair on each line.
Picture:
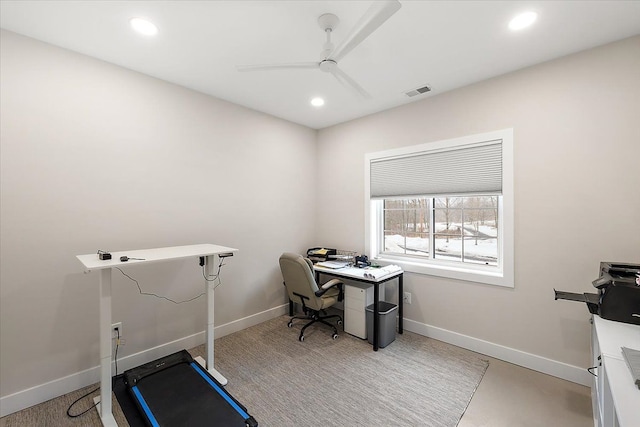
x,y
52,389
254,319
531,361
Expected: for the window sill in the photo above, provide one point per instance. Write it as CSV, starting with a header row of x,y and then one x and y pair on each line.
x,y
476,275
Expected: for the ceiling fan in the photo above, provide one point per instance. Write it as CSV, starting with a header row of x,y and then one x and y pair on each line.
x,y
374,17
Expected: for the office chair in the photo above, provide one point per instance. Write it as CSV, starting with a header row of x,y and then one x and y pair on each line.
x,y
301,285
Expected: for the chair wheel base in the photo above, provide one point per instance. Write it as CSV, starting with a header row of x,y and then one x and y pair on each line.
x,y
314,317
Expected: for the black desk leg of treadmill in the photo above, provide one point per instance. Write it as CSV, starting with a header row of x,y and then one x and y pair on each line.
x,y
400,303
376,315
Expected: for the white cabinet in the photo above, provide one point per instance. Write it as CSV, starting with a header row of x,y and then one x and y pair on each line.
x,y
356,300
616,398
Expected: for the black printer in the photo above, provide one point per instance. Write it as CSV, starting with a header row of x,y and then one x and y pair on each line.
x,y
618,296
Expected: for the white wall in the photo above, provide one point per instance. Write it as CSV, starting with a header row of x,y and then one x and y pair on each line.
x,y
98,157
576,124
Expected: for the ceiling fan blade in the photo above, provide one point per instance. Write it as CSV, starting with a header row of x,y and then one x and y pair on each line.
x,y
347,81
373,18
292,65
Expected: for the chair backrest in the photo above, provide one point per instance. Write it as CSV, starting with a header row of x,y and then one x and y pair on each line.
x,y
299,279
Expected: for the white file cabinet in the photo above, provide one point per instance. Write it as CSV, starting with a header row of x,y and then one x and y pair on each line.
x,y
356,300
616,398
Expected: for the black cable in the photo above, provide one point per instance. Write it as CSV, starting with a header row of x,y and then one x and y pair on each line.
x,y
155,295
215,276
116,355
590,370
69,414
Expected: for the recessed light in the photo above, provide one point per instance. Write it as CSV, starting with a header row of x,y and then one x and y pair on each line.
x,y
317,102
522,21
143,26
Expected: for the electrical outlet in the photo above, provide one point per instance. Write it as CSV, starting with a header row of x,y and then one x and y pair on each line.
x,y
406,298
116,330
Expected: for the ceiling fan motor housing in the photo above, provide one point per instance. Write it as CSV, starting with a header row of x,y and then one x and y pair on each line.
x,y
328,65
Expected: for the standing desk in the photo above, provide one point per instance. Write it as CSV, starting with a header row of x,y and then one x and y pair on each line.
x,y
357,274
92,262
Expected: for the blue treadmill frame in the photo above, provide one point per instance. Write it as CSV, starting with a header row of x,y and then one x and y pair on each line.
x,y
175,390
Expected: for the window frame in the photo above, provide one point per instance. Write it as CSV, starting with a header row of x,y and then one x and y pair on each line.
x,y
503,274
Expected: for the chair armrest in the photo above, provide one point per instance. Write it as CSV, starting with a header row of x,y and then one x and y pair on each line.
x,y
330,284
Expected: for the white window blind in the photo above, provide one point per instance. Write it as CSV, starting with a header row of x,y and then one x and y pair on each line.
x,y
472,169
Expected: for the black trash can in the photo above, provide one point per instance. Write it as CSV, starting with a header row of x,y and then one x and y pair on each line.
x,y
386,323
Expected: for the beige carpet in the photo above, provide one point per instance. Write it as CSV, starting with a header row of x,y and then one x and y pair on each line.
x,y
321,382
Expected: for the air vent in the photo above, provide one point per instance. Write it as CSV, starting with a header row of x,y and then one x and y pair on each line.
x,y
419,91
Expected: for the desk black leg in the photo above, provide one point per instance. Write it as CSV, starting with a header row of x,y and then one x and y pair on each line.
x,y
376,315
400,303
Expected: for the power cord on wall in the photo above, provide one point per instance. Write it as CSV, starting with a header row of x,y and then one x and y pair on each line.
x,y
211,278
214,277
151,293
69,414
592,369
115,357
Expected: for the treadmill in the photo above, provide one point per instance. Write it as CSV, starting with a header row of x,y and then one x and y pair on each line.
x,y
176,391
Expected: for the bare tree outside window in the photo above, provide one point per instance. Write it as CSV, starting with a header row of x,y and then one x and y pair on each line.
x,y
459,229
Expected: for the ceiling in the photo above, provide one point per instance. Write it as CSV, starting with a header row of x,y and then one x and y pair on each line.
x,y
443,44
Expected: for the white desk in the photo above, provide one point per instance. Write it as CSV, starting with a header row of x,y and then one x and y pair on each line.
x,y
92,262
358,274
616,398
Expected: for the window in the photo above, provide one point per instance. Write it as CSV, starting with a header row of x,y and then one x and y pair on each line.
x,y
444,208
461,229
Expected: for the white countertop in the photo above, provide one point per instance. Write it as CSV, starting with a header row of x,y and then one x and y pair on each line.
x,y
92,262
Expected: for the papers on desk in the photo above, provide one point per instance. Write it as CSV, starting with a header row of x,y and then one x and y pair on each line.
x,y
318,251
333,264
378,273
